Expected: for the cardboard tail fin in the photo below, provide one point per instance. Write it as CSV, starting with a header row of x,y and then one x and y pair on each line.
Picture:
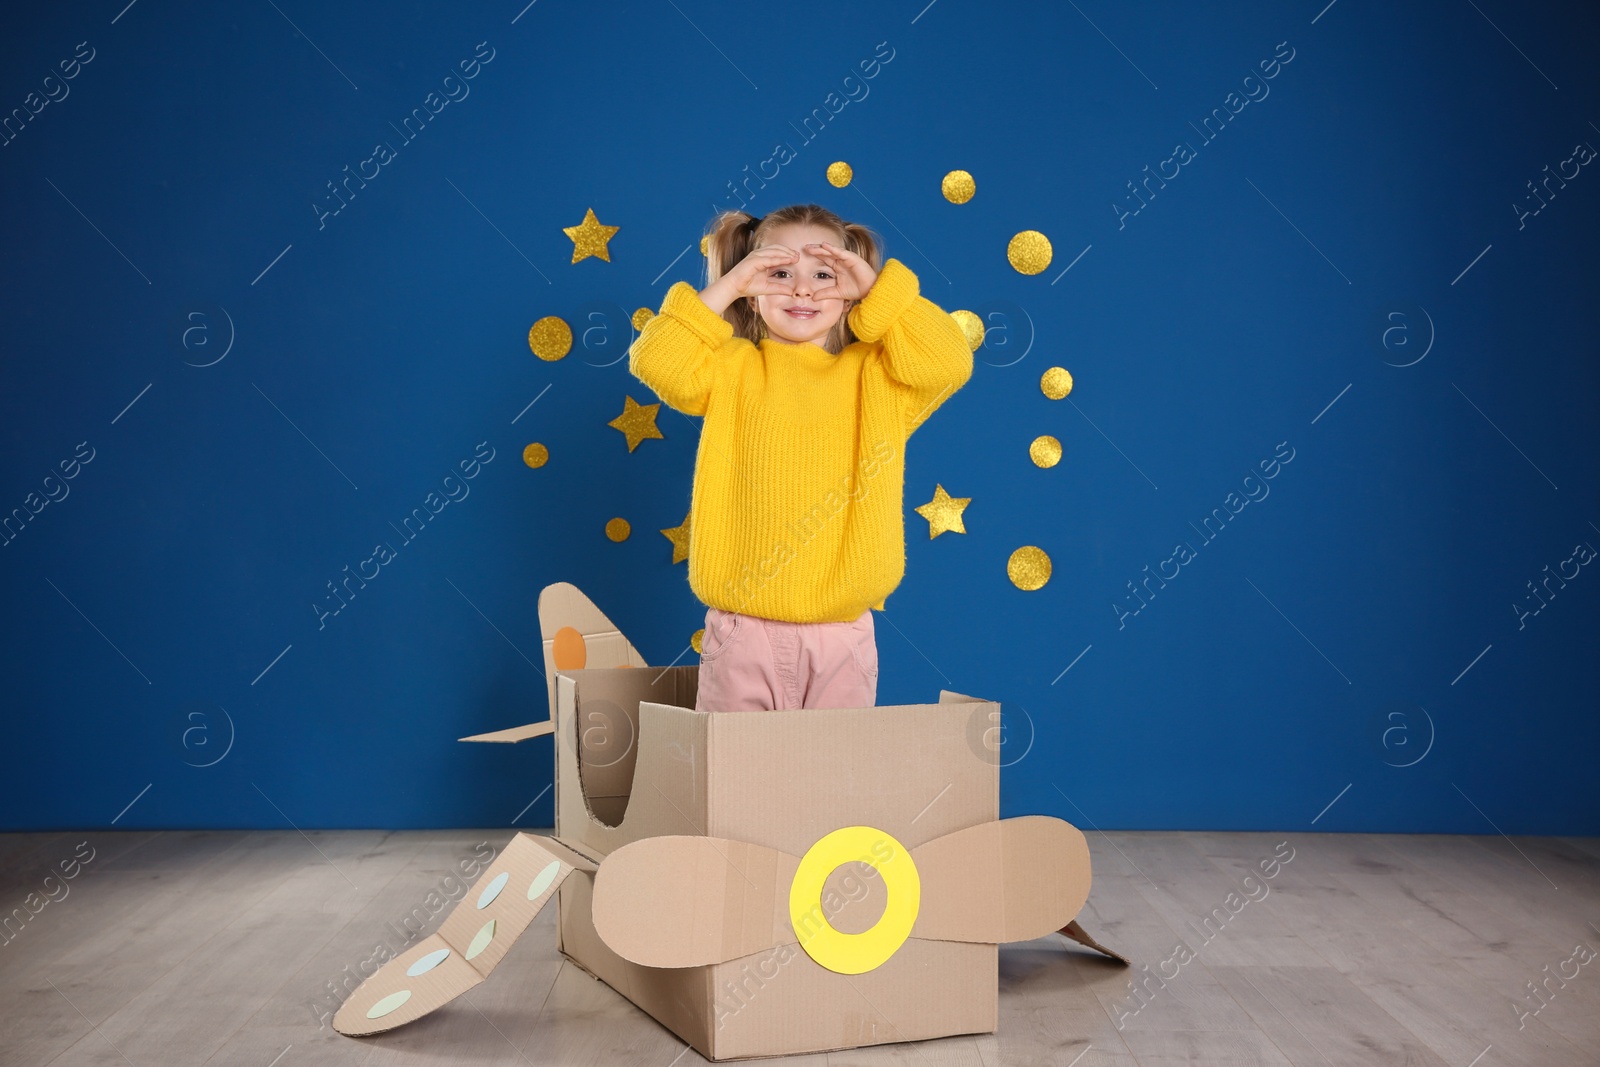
x,y
577,635
469,943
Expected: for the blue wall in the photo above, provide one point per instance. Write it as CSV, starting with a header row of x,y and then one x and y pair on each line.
x,y
251,390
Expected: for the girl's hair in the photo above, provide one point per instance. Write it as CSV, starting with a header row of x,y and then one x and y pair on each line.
x,y
734,234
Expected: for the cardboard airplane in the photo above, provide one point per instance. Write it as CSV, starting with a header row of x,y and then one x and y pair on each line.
x,y
706,863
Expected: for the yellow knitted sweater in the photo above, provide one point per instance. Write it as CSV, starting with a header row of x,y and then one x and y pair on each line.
x,y
798,481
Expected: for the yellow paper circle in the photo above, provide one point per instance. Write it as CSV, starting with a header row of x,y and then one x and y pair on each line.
x,y
550,338
839,174
1028,568
705,243
1029,252
1055,383
970,325
642,316
854,953
694,639
618,529
536,455
1045,451
958,187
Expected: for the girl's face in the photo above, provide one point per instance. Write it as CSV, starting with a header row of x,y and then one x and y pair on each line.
x,y
796,317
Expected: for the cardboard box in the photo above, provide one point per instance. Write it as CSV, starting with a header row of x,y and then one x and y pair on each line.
x,y
782,779
761,883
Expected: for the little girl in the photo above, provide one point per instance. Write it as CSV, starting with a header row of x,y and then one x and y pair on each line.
x,y
812,368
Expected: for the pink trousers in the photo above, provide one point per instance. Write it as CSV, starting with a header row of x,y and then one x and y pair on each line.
x,y
748,663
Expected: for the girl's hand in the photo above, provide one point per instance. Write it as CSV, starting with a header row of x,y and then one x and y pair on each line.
x,y
752,275
852,275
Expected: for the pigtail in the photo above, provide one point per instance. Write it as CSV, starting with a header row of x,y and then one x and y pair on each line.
x,y
729,240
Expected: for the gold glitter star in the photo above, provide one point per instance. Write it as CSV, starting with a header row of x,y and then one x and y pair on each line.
x,y
589,238
679,536
637,421
943,512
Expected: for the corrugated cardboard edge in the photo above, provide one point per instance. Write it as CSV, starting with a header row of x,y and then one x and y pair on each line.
x,y
667,738
569,852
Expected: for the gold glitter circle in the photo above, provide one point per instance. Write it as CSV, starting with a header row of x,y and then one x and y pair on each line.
x,y
1029,252
1055,383
958,187
705,244
694,639
536,455
618,529
839,174
1028,568
1045,451
550,338
970,325
642,316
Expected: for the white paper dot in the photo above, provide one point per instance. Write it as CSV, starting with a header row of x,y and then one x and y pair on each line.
x,y
481,941
428,962
388,1004
542,880
492,890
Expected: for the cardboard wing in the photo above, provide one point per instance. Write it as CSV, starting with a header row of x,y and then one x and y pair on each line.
x,y
471,941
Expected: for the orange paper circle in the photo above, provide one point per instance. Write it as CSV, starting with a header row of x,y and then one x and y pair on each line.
x,y
568,650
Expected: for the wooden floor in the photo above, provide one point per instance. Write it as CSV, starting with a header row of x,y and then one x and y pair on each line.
x,y
179,948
